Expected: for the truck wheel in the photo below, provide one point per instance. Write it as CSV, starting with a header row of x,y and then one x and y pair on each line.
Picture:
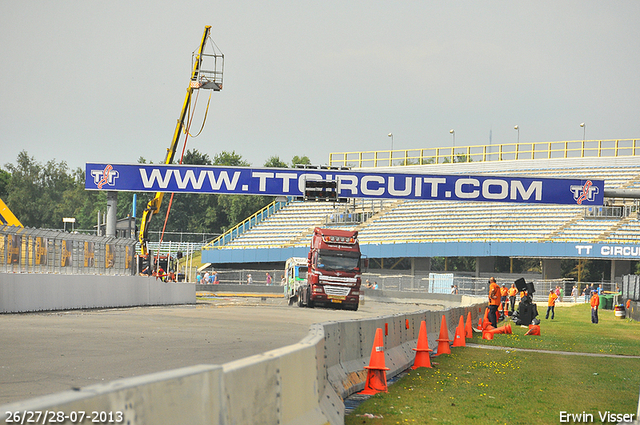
x,y
352,307
291,300
310,303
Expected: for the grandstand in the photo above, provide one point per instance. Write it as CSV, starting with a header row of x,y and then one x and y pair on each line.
x,y
423,229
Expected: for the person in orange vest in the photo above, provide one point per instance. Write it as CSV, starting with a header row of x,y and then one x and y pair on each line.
x,y
494,301
503,297
551,304
512,296
595,302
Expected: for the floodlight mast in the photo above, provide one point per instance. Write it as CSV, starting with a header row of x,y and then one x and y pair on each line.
x,y
200,79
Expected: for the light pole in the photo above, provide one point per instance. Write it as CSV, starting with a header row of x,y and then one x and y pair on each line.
x,y
584,131
516,128
391,135
453,134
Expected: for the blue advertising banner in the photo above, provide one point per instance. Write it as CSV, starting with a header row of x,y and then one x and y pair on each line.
x,y
351,184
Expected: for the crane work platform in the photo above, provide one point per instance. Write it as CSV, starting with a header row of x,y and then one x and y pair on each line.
x,y
208,76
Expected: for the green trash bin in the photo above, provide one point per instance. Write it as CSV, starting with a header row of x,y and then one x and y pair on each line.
x,y
606,302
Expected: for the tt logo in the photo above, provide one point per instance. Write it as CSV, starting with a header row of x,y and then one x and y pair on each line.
x,y
584,193
106,176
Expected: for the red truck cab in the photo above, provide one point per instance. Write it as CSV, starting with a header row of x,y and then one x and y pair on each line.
x,y
334,271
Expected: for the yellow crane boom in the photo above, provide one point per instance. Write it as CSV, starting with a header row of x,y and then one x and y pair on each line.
x,y
200,79
7,217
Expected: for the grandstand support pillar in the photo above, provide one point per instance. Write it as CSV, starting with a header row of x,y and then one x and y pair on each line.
x,y
619,268
418,265
112,210
551,268
485,265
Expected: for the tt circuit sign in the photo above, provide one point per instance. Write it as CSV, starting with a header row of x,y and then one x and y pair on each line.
x,y
350,184
613,251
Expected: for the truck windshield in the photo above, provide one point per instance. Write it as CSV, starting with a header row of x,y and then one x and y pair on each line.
x,y
301,273
339,261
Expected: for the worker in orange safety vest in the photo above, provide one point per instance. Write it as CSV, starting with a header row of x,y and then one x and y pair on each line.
x,y
513,291
551,304
494,301
595,302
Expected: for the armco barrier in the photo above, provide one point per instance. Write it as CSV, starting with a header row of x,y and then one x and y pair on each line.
x,y
303,383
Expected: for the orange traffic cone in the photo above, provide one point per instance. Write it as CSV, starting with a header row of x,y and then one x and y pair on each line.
x,y
468,330
443,339
488,333
377,375
422,349
485,322
459,338
533,330
480,324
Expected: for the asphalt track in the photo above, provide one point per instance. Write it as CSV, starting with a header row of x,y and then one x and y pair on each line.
x,y
44,353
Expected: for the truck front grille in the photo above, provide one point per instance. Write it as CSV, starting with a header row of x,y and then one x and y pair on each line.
x,y
340,291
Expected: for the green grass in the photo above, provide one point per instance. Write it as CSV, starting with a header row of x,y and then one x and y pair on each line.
x,y
480,386
572,330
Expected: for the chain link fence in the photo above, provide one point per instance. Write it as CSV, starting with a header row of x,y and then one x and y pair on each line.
x,y
28,250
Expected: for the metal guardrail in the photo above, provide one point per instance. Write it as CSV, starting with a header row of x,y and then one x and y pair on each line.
x,y
245,225
482,153
30,250
610,212
173,247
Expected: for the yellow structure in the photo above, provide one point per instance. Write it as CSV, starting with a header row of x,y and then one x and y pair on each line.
x,y
481,153
7,217
200,79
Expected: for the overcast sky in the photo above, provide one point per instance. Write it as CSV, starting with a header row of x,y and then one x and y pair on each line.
x,y
87,81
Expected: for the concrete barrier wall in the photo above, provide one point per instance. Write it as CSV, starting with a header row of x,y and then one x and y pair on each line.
x,y
42,292
303,383
349,343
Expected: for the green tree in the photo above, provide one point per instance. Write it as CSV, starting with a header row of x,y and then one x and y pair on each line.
x,y
35,190
453,264
230,158
81,204
274,161
586,270
304,160
5,178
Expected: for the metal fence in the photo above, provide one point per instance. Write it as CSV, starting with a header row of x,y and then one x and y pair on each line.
x,y
244,276
26,250
465,285
631,287
479,286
